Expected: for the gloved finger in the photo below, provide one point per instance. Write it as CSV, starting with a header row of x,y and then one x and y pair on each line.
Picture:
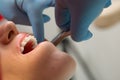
x,y
52,3
24,19
107,4
15,13
82,18
34,11
62,17
70,20
46,18
36,20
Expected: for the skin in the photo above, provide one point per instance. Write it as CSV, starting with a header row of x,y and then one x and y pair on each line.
x,y
45,62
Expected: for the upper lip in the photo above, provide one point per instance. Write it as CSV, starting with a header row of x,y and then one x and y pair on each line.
x,y
20,38
26,43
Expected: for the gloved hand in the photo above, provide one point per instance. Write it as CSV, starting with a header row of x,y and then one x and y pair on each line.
x,y
27,12
77,15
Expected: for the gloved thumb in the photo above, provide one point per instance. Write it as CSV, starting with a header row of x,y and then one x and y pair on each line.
x,y
108,4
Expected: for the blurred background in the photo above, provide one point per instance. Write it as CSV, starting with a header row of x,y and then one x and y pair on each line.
x,y
97,58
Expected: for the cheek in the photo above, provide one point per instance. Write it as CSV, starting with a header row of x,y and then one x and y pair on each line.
x,y
9,49
0,75
14,47
0,68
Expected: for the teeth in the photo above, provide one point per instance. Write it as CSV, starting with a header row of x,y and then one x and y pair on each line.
x,y
26,40
22,49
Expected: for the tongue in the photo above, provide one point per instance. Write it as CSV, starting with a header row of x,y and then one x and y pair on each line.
x,y
28,47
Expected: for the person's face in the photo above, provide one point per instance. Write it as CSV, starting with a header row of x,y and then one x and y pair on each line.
x,y
19,61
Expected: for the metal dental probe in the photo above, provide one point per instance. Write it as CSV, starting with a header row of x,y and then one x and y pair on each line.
x,y
60,37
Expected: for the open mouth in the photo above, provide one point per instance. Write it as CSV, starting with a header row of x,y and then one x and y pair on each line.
x,y
28,44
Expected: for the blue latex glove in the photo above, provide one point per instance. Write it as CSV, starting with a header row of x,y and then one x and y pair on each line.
x,y
28,12
77,15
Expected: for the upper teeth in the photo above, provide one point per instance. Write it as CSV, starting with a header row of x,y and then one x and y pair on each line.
x,y
26,40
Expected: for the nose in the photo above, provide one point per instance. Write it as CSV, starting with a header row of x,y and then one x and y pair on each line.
x,y
7,32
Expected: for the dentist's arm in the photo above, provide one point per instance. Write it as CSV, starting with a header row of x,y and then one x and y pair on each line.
x,y
77,15
28,12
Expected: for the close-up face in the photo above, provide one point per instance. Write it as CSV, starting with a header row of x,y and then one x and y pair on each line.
x,y
22,59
